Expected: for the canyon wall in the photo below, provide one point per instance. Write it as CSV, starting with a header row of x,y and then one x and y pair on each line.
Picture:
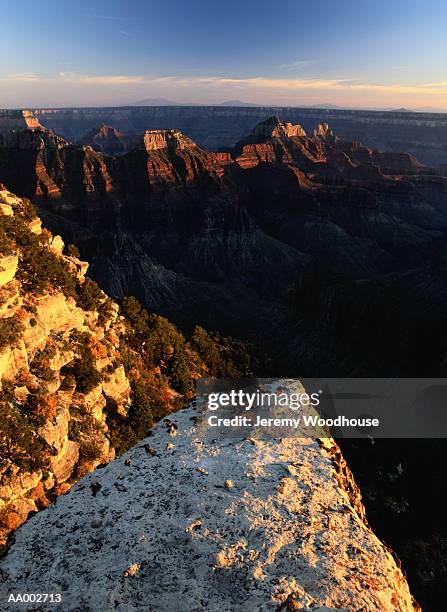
x,y
423,134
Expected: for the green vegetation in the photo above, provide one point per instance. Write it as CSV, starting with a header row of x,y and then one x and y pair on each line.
x,y
82,369
160,363
157,358
19,443
39,268
223,356
149,405
84,428
72,251
10,330
89,295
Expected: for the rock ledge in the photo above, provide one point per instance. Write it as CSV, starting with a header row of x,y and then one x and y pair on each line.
x,y
162,528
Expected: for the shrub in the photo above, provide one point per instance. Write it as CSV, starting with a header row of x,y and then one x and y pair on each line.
x,y
105,310
6,247
149,405
85,373
72,251
10,330
38,266
223,356
89,295
179,370
28,209
90,450
136,315
83,368
41,407
19,442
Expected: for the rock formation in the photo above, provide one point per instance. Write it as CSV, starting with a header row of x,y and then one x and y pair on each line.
x,y
214,127
78,379
210,238
36,345
108,140
18,120
202,521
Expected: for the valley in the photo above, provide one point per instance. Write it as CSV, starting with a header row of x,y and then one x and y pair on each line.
x,y
324,255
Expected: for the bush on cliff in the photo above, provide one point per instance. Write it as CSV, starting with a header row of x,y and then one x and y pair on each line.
x,y
89,295
82,369
19,443
39,267
10,330
72,251
223,356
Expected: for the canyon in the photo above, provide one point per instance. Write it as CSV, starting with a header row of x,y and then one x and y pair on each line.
x,y
283,224
328,255
214,127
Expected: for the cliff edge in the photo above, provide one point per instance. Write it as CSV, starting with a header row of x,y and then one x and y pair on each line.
x,y
189,521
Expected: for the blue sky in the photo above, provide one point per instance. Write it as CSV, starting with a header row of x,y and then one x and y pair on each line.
x,y
366,53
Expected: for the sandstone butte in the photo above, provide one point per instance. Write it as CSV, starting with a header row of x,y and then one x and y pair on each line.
x,y
190,520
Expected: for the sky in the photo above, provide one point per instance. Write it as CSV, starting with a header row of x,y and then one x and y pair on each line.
x,y
355,53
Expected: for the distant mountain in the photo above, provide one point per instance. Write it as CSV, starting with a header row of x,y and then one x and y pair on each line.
x,y
324,105
167,102
160,102
239,103
399,110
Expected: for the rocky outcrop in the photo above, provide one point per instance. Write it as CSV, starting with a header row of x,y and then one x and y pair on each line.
x,y
80,378
166,139
36,346
214,127
108,140
18,120
274,128
211,521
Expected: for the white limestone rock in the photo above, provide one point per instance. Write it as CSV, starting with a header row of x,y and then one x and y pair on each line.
x,y
160,529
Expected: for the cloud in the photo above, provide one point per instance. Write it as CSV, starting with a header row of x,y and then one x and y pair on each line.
x,y
249,83
69,87
271,83
296,64
24,76
71,77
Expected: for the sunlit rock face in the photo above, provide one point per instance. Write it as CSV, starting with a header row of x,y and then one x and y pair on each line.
x,y
214,127
36,335
18,120
222,523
